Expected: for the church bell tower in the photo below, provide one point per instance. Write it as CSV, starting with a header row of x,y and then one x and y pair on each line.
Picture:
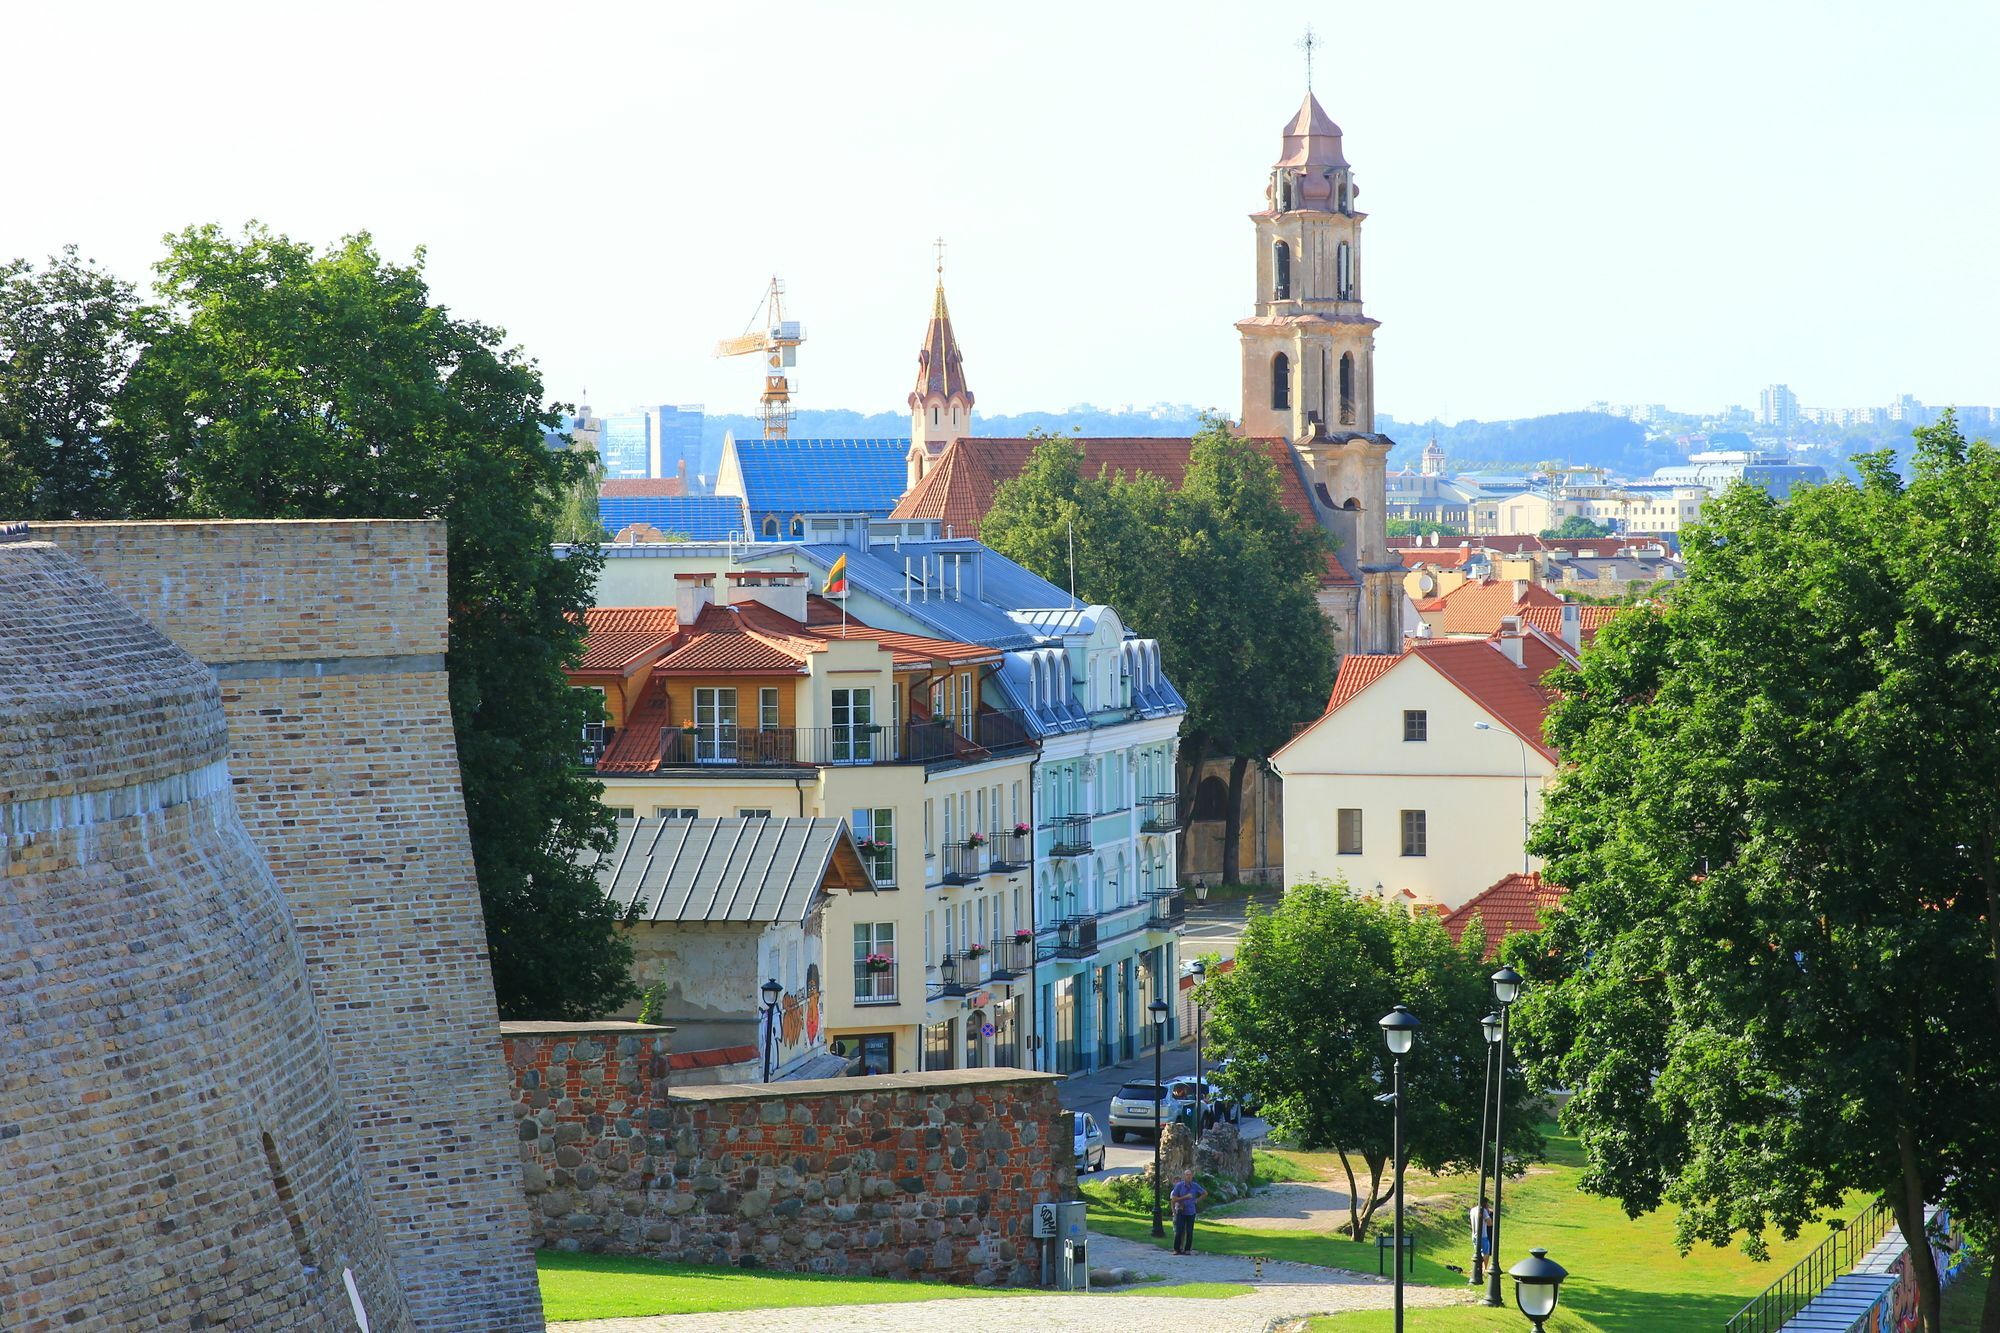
x,y
1309,361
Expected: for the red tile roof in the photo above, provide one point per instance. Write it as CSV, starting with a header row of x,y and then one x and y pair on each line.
x,y
740,638
1548,619
622,638
1357,672
651,488
959,488
1515,903
1479,607
1444,557
1511,694
720,1056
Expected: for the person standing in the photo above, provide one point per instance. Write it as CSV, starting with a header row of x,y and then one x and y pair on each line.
x,y
1186,1191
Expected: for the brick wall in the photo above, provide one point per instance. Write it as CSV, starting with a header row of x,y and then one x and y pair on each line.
x,y
928,1175
328,641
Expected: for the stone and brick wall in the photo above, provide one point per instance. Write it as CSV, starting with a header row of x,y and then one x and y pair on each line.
x,y
928,1175
328,638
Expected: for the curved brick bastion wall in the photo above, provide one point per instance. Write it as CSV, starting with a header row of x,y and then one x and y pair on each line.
x,y
327,638
175,1150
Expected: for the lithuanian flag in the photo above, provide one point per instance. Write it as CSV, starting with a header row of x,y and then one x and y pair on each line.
x,y
836,578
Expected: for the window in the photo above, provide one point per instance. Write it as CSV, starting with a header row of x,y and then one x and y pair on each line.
x,y
877,827
1281,271
1415,834
747,812
1344,271
965,703
677,812
715,725
770,527
767,708
930,814
1347,388
622,813
1349,822
1416,724
874,983
1284,194
1281,382
853,726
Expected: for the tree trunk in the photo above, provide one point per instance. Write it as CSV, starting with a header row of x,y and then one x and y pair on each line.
x,y
1193,753
1354,1203
1232,828
1909,1209
1989,1322
1987,875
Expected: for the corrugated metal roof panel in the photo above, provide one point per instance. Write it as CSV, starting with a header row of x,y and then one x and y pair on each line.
x,y
749,870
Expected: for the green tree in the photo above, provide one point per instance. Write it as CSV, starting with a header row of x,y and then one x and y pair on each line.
x,y
1417,527
1220,571
1577,526
1298,1016
1777,974
68,335
284,383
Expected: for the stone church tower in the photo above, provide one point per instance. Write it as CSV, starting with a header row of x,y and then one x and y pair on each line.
x,y
1309,363
941,404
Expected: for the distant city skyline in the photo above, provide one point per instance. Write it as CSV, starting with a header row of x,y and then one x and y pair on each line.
x,y
1577,204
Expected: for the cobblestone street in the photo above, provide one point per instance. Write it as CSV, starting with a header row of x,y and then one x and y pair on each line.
x,y
1287,1291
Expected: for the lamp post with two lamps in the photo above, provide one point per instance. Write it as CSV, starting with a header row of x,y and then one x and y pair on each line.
x,y
1199,971
1506,989
773,992
1158,1009
1482,1220
1399,1030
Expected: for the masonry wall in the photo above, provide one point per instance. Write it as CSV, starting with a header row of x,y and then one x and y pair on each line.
x,y
904,1175
328,639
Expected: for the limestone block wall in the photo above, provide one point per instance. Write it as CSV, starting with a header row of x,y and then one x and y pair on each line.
x,y
328,639
929,1175
176,1151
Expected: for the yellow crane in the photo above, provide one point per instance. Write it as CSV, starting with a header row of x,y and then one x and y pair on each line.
x,y
778,341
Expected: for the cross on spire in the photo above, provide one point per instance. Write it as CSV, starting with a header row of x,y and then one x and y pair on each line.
x,y
939,243
1307,44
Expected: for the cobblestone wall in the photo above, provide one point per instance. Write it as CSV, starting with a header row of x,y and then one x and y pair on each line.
x,y
907,1175
328,640
176,1151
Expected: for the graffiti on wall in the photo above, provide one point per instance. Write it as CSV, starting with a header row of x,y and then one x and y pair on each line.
x,y
1897,1311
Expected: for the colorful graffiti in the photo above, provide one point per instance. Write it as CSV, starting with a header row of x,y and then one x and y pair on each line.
x,y
1897,1311
800,1016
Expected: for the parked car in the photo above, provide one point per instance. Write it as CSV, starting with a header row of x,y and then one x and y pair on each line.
x,y
1241,1102
1089,1143
1133,1108
1181,1096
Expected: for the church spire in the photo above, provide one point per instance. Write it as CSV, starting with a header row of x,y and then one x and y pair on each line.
x,y
941,402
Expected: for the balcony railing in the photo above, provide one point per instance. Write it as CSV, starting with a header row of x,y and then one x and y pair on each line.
x,y
1077,937
961,863
1010,958
1159,814
1169,910
1836,1255
974,968
1008,850
871,987
1072,836
928,741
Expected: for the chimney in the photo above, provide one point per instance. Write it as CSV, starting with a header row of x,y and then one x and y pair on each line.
x,y
780,589
1424,629
1434,537
692,592
1572,626
1520,593
1510,638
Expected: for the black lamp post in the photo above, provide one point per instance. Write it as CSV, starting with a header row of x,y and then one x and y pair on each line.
x,y
772,993
1399,1029
1199,971
1506,989
1490,1025
1158,1009
1538,1286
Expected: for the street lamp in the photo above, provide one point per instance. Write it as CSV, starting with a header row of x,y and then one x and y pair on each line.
x,y
1488,726
1490,1025
1506,989
1399,1030
772,993
1538,1286
1158,1009
1199,971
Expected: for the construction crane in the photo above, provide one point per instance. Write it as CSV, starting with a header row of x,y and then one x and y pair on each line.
x,y
778,341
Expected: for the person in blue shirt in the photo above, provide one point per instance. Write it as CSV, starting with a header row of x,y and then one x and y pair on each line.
x,y
1185,1192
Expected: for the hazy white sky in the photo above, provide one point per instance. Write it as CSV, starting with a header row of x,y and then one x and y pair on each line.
x,y
1568,201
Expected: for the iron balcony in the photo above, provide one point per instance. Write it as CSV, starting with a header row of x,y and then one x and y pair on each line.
x,y
1159,814
1072,836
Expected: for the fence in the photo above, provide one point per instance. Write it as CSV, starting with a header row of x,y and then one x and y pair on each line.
x,y
1836,1255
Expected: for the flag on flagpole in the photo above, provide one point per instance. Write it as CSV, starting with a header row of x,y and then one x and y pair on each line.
x,y
836,578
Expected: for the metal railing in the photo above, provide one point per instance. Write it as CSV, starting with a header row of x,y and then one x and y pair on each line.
x,y
923,741
1169,910
961,863
871,987
1072,835
1076,937
1159,814
973,967
1008,850
1835,1257
1011,957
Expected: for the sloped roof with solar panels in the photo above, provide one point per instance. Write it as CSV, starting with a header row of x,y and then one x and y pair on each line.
x,y
701,518
789,477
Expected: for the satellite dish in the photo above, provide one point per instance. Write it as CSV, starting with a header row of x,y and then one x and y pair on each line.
x,y
1425,583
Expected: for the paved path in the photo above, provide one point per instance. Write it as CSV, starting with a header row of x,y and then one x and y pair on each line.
x,y
1288,1291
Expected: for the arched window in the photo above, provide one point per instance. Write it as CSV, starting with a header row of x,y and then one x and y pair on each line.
x,y
1281,382
1344,271
1211,799
771,526
1281,271
934,416
798,526
1284,194
1347,388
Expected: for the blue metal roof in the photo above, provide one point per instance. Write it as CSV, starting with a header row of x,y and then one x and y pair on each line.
x,y
696,517
789,477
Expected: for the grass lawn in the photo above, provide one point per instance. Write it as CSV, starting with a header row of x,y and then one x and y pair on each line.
x,y
602,1286
1965,1301
1626,1275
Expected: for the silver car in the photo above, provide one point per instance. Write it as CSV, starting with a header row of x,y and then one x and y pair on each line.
x,y
1089,1143
1133,1108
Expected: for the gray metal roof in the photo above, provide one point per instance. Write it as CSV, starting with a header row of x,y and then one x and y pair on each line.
x,y
748,870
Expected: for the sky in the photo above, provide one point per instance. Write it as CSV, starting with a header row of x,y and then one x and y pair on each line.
x,y
1567,202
